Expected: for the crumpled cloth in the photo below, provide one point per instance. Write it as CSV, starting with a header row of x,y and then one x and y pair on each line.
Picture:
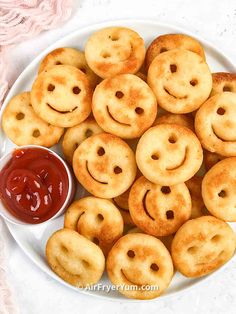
x,y
20,20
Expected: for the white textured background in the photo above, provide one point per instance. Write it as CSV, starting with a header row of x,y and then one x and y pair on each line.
x,y
36,293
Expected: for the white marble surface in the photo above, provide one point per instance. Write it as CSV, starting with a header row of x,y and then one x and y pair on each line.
x,y
35,292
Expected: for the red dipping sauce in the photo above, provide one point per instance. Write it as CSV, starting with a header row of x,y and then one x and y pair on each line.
x,y
33,185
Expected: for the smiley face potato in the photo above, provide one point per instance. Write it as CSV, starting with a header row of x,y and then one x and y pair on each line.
x,y
79,267
115,50
202,245
124,105
216,126
159,210
168,154
219,187
104,165
62,96
141,265
180,79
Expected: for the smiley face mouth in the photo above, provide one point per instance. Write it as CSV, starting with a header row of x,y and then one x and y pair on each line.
x,y
130,281
181,163
172,95
129,55
61,111
145,206
220,138
80,216
90,174
65,270
211,261
117,121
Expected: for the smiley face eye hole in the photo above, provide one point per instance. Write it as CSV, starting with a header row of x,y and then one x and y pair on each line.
x,y
216,238
155,156
131,253
172,139
119,94
76,90
96,241
169,214
20,116
139,110
165,189
163,49
51,87
226,88
64,249
58,63
85,263
113,37
220,111
117,170
173,68
100,217
222,193
154,267
101,151
88,133
192,249
106,55
193,82
36,133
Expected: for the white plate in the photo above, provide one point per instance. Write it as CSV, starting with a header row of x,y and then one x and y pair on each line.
x,y
32,239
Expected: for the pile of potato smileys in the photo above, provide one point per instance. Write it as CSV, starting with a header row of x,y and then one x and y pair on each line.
x,y
149,211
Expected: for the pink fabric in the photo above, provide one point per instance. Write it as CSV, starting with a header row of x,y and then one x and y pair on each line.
x,y
20,20
3,74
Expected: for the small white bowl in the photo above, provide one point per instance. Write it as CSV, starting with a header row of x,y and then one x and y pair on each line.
x,y
71,189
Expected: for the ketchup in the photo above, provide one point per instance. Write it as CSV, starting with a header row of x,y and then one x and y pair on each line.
x,y
33,185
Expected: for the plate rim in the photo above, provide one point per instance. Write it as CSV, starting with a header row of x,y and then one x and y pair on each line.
x,y
107,24
31,65
121,298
